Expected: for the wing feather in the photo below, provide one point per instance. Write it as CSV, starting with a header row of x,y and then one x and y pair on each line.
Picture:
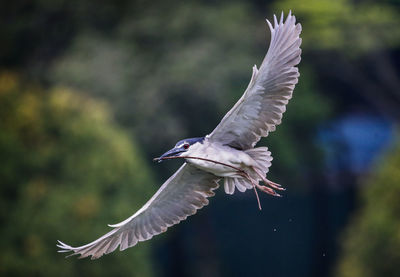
x,y
262,105
179,197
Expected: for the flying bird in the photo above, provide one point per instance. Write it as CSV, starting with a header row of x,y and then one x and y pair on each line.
x,y
226,155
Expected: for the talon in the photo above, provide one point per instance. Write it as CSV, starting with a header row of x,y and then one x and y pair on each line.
x,y
274,185
268,190
270,182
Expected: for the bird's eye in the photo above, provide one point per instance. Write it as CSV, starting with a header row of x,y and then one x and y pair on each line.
x,y
186,146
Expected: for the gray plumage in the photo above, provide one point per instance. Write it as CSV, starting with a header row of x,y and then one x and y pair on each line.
x,y
231,143
179,197
262,105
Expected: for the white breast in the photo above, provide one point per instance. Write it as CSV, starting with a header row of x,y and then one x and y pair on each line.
x,y
219,153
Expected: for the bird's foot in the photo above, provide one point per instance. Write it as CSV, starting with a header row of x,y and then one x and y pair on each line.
x,y
268,190
273,185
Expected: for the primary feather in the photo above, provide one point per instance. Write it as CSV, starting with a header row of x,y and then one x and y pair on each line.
x,y
179,197
263,103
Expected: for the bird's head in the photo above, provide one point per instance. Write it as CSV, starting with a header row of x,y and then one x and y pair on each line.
x,y
180,147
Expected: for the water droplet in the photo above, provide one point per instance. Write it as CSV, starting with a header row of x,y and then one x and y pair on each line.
x,y
274,229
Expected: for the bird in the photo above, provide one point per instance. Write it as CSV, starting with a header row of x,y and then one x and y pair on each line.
x,y
227,155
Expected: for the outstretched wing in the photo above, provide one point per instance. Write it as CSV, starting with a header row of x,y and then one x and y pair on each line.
x,y
179,197
262,105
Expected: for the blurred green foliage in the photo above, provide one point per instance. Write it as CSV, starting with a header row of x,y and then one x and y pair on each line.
x,y
180,66
67,169
351,27
371,243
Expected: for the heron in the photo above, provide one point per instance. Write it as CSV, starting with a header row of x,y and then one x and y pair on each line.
x,y
228,154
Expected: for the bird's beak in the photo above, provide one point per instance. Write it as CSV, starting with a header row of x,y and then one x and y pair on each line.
x,y
169,153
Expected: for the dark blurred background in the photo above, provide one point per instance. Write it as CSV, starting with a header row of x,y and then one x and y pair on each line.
x,y
91,91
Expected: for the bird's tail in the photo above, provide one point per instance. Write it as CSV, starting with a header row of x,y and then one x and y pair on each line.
x,y
263,159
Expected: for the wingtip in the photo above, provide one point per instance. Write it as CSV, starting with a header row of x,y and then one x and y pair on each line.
x,y
290,18
269,25
275,21
62,245
65,248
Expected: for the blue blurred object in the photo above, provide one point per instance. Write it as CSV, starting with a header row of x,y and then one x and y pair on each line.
x,y
352,143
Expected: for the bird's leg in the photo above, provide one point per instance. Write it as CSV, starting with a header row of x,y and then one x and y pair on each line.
x,y
258,199
246,176
269,183
273,185
240,172
268,190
